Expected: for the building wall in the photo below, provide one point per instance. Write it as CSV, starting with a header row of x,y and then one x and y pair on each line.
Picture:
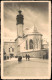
x,y
20,30
21,50
45,46
18,42
20,47
36,54
36,44
23,47
9,48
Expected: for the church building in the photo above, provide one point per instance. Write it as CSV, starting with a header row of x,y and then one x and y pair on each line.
x,y
25,43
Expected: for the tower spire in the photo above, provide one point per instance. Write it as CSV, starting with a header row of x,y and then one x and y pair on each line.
x,y
35,29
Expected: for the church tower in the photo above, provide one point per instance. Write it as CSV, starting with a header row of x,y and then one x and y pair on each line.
x,y
20,23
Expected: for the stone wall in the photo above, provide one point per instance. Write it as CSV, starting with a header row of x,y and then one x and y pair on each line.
x,y
36,54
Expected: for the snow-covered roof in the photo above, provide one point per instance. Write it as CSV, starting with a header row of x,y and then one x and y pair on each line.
x,y
34,32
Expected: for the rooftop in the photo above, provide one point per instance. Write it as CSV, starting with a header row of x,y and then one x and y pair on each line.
x,y
34,32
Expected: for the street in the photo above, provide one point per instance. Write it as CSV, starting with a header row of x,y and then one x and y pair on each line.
x,y
34,67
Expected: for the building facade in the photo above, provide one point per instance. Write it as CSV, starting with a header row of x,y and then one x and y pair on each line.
x,y
24,44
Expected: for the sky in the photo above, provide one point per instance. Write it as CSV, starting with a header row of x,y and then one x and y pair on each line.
x,y
35,15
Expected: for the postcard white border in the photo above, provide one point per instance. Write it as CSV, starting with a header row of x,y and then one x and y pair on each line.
x,y
5,77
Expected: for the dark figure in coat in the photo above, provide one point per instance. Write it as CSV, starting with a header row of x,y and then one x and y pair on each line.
x,y
19,59
28,57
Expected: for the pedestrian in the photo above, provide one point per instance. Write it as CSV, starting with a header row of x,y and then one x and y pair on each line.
x,y
19,58
26,57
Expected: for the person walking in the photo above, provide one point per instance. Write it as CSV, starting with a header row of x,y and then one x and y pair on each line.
x,y
26,57
19,58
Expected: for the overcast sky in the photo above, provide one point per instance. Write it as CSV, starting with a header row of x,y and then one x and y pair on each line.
x,y
35,14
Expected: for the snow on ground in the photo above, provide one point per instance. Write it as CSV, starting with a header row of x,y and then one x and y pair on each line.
x,y
34,67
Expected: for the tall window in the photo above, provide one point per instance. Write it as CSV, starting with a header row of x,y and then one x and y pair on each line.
x,y
9,49
26,45
31,44
37,43
37,40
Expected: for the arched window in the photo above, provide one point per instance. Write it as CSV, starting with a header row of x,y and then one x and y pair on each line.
x,y
31,44
26,45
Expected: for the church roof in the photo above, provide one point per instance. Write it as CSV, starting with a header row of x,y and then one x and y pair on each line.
x,y
18,37
35,32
